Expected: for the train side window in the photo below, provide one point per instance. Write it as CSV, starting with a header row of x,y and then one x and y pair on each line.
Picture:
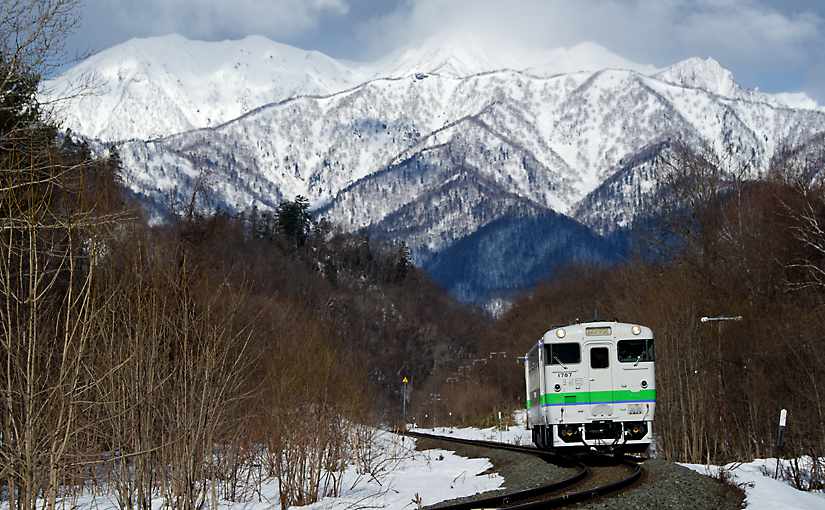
x,y
599,357
533,363
563,354
635,351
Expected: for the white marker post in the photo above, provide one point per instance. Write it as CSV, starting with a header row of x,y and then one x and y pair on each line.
x,y
780,438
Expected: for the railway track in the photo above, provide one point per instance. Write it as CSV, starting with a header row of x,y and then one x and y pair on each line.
x,y
596,478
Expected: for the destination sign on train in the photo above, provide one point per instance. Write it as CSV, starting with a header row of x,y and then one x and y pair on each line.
x,y
598,331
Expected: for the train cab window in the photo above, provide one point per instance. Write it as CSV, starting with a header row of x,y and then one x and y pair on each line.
x,y
599,357
635,351
563,354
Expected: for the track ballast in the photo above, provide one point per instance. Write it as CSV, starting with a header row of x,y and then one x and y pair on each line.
x,y
592,479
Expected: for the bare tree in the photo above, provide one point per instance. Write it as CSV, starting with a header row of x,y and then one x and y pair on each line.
x,y
809,230
51,240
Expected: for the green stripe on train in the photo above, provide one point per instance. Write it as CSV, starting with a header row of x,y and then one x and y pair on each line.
x,y
586,397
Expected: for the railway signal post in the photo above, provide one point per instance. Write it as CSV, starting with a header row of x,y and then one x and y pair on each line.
x,y
404,383
720,367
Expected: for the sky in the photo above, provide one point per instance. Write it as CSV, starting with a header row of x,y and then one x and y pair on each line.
x,y
776,46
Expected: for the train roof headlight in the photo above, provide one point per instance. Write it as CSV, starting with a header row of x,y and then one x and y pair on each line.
x,y
636,330
560,332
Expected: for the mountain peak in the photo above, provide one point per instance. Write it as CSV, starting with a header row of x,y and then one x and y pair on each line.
x,y
701,73
449,57
193,83
585,56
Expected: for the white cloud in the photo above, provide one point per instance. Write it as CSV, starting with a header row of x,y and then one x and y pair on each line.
x,y
797,100
211,19
773,45
749,36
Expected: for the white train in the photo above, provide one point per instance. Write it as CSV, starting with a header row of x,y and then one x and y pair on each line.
x,y
592,385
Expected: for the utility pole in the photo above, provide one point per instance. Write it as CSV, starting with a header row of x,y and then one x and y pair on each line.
x,y
720,377
434,397
719,320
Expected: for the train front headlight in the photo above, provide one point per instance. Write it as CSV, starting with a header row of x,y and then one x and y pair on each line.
x,y
636,330
561,332
635,431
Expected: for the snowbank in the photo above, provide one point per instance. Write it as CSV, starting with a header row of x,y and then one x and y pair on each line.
x,y
763,492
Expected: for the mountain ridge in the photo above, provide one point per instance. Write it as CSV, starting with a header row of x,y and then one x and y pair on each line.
x,y
247,69
499,103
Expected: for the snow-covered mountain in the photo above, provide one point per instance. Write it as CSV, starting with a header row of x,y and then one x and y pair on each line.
x,y
159,86
448,149
549,140
146,88
709,75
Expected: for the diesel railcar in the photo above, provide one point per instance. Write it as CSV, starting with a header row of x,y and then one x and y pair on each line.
x,y
592,386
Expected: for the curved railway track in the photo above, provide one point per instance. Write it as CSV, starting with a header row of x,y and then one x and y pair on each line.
x,y
588,482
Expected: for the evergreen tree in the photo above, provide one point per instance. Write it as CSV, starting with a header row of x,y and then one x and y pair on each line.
x,y
294,221
114,158
331,271
322,229
403,263
18,99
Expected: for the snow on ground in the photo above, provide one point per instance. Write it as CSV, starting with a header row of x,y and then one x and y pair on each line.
x,y
516,434
762,491
409,479
432,475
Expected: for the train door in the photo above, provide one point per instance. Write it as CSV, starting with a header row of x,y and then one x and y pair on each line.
x,y
600,379
533,370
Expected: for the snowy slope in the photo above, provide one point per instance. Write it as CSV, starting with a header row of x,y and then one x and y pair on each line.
x,y
762,491
550,140
368,152
145,88
706,74
155,87
709,75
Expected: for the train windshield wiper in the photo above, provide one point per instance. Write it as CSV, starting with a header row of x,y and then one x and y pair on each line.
x,y
638,359
559,362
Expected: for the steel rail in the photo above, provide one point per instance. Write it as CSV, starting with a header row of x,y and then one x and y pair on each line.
x,y
510,500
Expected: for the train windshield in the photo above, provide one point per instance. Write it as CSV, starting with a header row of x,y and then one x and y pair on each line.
x,y
635,351
562,354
